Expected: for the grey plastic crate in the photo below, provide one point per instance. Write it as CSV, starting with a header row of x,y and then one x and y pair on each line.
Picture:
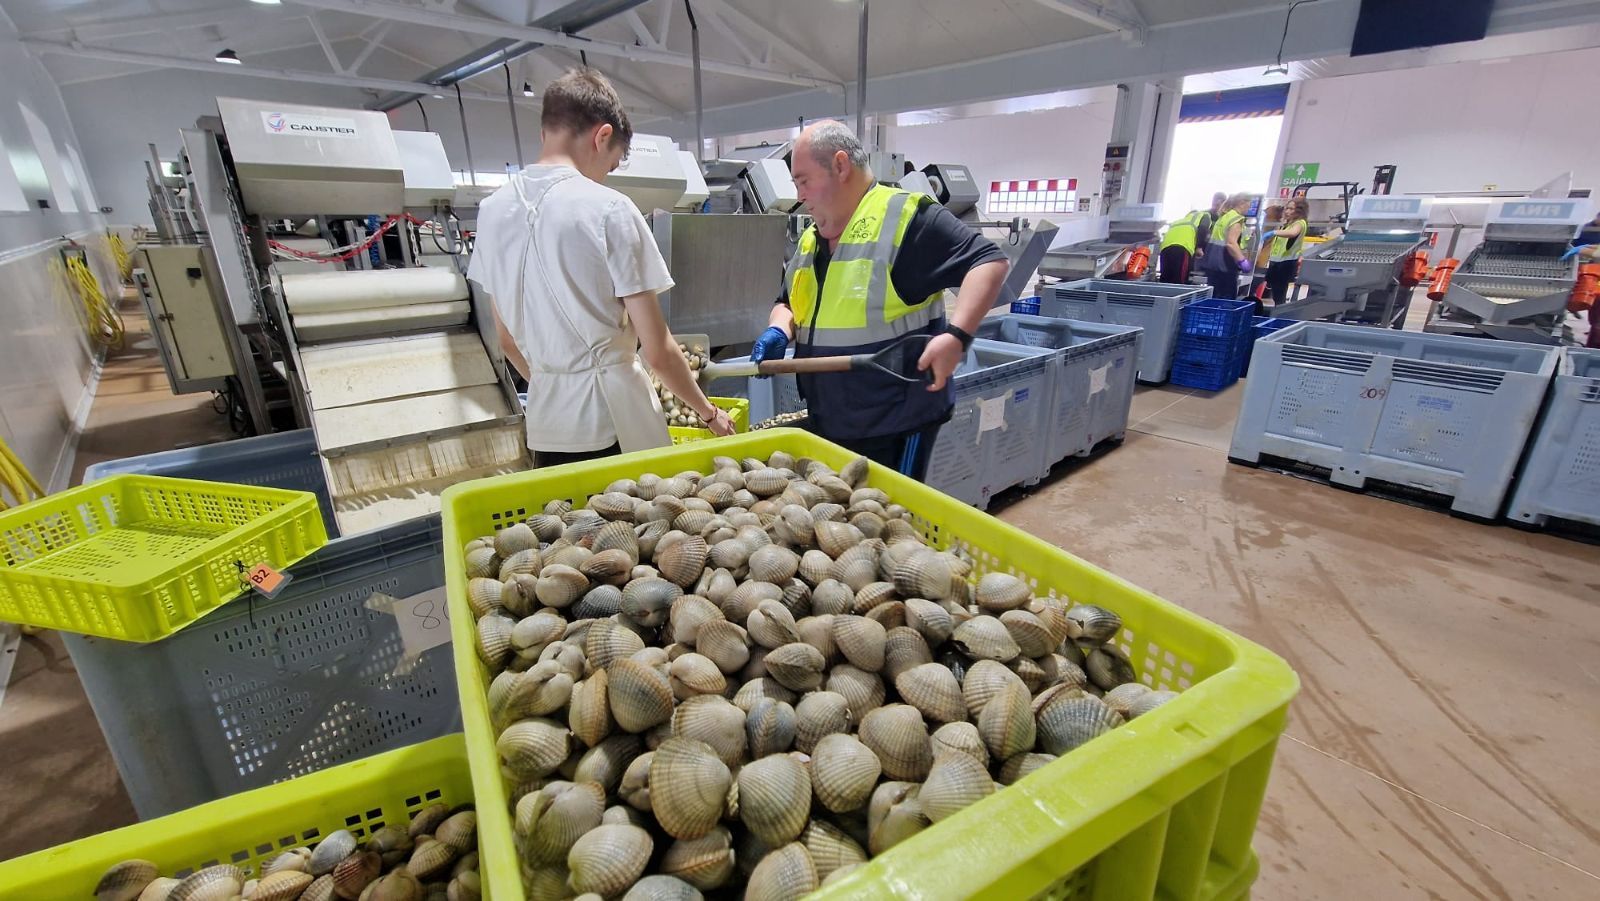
x,y
773,395
283,460
260,691
1095,368
1152,306
979,454
1560,476
1439,413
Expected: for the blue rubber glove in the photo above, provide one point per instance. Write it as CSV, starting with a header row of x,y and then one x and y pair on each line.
x,y
1244,266
1269,235
1575,251
770,346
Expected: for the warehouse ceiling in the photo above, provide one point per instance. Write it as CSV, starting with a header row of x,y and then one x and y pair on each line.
x,y
801,44
763,59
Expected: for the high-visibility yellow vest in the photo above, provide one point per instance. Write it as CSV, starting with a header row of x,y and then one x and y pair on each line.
x,y
1219,230
859,304
1184,232
1280,244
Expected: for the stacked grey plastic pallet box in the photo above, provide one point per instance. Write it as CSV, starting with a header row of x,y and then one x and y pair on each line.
x,y
259,691
1152,306
1443,414
977,454
1095,366
1560,478
996,434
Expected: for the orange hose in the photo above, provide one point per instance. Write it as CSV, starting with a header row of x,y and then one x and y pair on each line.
x,y
1441,278
1138,262
1586,289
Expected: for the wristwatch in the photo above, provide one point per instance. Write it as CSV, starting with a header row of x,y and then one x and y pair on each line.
x,y
963,335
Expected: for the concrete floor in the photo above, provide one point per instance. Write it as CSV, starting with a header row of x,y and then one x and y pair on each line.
x,y
1441,745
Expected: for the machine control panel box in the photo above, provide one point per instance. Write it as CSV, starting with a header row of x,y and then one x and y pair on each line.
x,y
953,186
774,187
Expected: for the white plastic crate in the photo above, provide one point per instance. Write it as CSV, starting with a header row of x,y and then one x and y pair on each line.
x,y
1560,478
994,439
1152,306
1095,368
1439,413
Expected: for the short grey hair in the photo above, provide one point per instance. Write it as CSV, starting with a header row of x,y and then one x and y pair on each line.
x,y
831,136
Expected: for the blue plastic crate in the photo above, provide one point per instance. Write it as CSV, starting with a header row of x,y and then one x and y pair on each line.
x,y
1260,326
1216,318
1200,349
1027,306
1205,376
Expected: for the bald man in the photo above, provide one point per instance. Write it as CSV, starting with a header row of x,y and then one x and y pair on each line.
x,y
871,269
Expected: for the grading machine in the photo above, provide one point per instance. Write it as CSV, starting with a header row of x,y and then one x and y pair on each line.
x,y
1519,283
1366,275
303,226
1132,238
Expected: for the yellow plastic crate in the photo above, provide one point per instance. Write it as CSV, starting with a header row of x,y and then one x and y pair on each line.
x,y
1162,807
738,410
138,557
252,827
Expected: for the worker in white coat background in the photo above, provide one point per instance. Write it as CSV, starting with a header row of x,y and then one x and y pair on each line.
x,y
574,273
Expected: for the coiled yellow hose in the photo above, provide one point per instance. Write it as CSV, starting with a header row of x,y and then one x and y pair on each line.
x,y
16,480
119,252
104,322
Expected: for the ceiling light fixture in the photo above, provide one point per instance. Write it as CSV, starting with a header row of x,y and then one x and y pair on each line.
x,y
229,57
267,2
1278,68
527,89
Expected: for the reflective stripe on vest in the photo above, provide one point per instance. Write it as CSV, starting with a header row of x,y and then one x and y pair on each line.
x,y
1184,232
1280,245
1219,231
858,303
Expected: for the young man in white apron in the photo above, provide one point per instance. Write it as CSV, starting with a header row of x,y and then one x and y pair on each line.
x,y
574,273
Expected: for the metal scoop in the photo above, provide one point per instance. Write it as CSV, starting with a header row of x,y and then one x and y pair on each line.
x,y
883,361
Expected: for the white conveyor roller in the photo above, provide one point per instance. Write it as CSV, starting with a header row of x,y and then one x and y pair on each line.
x,y
327,306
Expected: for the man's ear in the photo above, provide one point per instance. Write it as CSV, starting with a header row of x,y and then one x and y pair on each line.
x,y
841,163
602,137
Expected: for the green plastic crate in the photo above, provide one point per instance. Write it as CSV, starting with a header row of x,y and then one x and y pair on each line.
x,y
138,557
1162,807
738,410
251,828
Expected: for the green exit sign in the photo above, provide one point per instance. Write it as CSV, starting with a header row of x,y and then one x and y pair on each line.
x,y
1298,174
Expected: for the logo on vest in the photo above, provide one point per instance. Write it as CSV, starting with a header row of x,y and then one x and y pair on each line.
x,y
863,229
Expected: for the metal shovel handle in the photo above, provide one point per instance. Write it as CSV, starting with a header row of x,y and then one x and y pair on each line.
x,y
878,361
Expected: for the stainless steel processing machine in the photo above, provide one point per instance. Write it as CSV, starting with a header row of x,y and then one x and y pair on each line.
x,y
1366,276
1515,285
1133,235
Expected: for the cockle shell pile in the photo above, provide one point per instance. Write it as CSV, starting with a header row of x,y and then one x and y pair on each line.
x,y
432,858
679,413
756,679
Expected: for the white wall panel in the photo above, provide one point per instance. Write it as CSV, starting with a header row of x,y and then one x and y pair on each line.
x,y
1068,142
1513,123
45,360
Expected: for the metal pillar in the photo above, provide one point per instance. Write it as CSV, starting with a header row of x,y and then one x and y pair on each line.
x,y
466,137
511,105
861,76
699,100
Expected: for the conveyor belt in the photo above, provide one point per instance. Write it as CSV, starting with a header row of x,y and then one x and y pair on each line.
x,y
1521,266
1364,252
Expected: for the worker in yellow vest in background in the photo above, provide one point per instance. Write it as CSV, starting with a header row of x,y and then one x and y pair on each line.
x,y
1225,259
1178,246
871,269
